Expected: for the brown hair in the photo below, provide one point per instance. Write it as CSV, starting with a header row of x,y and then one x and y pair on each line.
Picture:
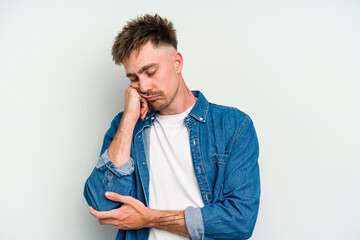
x,y
137,32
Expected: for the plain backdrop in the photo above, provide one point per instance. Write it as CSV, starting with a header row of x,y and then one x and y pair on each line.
x,y
293,66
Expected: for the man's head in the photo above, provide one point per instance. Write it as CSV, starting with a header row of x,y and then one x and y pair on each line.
x,y
137,32
147,48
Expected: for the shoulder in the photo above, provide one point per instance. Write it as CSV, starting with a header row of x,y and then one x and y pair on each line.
x,y
232,126
227,115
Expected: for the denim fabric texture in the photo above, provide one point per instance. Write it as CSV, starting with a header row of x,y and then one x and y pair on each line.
x,y
224,151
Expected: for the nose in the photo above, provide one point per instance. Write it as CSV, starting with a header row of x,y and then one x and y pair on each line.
x,y
145,85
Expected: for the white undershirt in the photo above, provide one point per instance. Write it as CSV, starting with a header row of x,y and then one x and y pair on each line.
x,y
173,184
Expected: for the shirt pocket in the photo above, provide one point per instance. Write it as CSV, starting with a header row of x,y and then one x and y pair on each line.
x,y
220,161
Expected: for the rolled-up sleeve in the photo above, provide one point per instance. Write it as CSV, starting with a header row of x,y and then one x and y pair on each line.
x,y
194,223
108,177
123,170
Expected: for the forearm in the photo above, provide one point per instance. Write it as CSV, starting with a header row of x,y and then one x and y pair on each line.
x,y
171,221
119,149
135,107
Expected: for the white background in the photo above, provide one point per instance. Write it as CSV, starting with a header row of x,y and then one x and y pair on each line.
x,y
293,66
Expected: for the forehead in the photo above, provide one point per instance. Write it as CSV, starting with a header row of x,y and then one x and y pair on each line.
x,y
147,54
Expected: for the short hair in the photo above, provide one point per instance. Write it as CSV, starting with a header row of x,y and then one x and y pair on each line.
x,y
137,32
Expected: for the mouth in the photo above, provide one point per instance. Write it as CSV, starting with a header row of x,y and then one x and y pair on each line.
x,y
151,98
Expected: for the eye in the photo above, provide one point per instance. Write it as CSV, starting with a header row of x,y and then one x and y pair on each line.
x,y
151,73
133,79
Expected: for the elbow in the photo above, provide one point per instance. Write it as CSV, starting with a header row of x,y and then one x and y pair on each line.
x,y
100,182
89,196
241,231
246,233
244,221
94,191
245,230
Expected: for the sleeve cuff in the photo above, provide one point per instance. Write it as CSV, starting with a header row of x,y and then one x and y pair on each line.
x,y
194,223
123,170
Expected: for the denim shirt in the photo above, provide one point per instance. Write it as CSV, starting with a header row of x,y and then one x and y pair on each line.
x,y
224,151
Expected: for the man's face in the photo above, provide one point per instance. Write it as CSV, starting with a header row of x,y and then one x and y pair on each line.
x,y
154,72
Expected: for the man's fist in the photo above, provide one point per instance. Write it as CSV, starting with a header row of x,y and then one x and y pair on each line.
x,y
135,105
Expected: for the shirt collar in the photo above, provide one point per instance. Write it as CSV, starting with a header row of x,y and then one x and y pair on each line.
x,y
199,111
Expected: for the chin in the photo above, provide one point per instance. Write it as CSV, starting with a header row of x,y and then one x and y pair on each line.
x,y
158,107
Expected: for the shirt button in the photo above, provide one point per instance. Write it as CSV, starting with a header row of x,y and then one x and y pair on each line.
x,y
152,118
199,170
194,142
201,119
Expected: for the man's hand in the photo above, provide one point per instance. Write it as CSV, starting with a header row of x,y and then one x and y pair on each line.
x,y
135,105
133,214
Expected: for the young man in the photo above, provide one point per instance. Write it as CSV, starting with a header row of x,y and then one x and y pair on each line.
x,y
172,165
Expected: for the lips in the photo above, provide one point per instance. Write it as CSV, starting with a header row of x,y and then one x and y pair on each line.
x,y
151,98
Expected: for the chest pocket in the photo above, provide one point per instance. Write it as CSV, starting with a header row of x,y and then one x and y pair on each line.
x,y
220,161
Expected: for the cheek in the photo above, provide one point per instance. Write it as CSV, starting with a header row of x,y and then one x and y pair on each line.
x,y
169,79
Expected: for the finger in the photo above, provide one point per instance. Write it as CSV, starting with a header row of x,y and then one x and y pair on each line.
x,y
115,223
118,198
131,88
144,108
93,212
109,221
102,215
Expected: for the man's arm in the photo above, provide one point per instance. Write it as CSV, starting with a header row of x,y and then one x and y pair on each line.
x,y
234,214
133,214
135,107
114,169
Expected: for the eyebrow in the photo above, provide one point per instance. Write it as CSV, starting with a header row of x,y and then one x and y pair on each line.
x,y
144,68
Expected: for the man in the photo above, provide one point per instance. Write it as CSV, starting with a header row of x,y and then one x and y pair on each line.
x,y
172,165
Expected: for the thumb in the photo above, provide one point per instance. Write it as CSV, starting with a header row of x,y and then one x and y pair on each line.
x,y
117,197
144,108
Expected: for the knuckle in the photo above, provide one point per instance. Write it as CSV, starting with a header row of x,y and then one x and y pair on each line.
x,y
129,200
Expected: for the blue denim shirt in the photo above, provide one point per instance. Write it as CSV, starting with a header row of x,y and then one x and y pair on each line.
x,y
224,151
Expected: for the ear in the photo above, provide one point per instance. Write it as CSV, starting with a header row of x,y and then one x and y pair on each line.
x,y
178,62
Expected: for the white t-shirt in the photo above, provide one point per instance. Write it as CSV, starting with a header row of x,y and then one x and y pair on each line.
x,y
173,184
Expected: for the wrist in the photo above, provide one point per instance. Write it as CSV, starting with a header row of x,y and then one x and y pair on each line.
x,y
152,217
129,119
